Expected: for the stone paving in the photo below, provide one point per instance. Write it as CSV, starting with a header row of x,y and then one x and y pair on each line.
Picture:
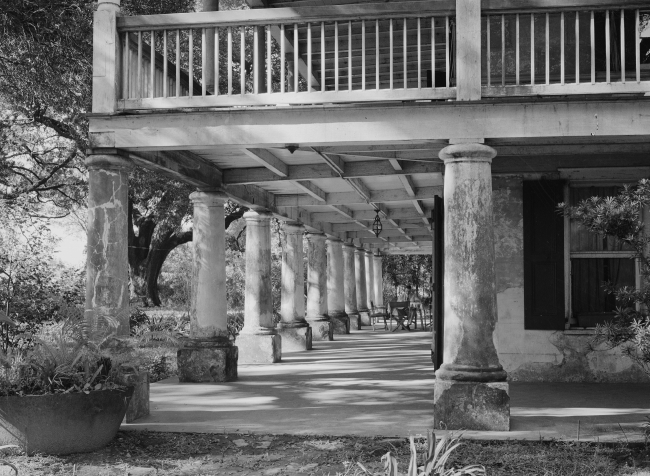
x,y
376,383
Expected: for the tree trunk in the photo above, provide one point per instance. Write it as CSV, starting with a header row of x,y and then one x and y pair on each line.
x,y
149,250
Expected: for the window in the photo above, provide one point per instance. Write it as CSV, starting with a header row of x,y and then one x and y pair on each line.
x,y
594,261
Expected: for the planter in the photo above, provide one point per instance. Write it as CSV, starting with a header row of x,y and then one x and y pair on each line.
x,y
62,423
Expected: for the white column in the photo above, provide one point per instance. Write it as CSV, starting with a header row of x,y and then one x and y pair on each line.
x,y
317,317
349,286
258,341
370,278
209,355
335,287
471,375
379,280
294,329
362,289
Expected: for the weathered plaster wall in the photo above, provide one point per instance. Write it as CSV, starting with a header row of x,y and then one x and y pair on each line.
x,y
527,355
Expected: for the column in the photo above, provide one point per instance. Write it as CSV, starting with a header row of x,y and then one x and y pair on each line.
x,y
471,391
209,356
362,290
349,286
335,287
379,280
294,329
370,278
258,341
107,264
321,326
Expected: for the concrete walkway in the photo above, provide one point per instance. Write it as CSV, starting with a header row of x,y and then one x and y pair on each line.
x,y
381,384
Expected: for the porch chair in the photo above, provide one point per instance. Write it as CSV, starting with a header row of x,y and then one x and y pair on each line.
x,y
378,312
400,311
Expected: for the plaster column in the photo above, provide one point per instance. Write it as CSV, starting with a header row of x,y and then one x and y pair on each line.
x,y
471,391
317,317
370,278
209,356
349,286
362,290
258,341
379,280
107,266
335,287
294,329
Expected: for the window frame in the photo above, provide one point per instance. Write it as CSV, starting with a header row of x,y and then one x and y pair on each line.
x,y
570,320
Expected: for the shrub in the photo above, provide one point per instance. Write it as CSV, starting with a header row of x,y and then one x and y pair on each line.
x,y
434,462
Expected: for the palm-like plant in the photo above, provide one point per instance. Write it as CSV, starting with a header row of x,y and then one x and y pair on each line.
x,y
436,460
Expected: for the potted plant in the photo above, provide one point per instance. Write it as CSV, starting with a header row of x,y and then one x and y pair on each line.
x,y
68,393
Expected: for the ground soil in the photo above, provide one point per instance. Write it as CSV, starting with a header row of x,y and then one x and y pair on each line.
x,y
149,453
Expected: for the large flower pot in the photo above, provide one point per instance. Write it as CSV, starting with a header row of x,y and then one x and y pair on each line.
x,y
62,423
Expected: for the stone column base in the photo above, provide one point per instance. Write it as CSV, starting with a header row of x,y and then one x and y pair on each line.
x,y
259,349
355,321
483,406
295,339
322,330
364,318
200,362
139,403
341,324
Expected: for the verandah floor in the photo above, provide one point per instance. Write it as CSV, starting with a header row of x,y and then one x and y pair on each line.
x,y
375,383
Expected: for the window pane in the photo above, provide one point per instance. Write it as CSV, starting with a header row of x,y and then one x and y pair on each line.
x,y
581,238
587,278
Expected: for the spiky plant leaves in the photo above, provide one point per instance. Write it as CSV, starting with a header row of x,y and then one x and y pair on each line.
x,y
390,464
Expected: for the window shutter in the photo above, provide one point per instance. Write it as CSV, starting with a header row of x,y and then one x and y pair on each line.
x,y
543,256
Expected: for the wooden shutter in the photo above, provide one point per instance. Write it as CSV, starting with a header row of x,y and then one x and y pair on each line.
x,y
543,255
438,282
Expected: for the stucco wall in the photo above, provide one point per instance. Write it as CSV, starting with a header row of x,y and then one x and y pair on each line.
x,y
553,356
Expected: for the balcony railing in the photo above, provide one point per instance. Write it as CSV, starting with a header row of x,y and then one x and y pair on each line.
x,y
375,52
595,51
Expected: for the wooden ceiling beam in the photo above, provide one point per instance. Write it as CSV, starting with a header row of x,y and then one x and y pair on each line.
x,y
342,198
369,168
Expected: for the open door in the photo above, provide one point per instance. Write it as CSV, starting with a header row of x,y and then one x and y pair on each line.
x,y
437,304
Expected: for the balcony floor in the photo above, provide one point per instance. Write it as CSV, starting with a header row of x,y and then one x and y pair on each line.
x,y
375,383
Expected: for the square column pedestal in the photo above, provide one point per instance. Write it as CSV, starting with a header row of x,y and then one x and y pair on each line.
x,y
207,361
259,348
471,405
295,338
355,321
340,323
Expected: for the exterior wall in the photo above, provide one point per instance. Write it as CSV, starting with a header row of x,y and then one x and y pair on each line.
x,y
528,355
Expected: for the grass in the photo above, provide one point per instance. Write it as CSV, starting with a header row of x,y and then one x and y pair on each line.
x,y
269,455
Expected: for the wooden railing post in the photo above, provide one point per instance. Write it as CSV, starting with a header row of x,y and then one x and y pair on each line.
x,y
106,57
210,6
468,50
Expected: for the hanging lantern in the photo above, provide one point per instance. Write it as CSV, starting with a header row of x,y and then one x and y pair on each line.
x,y
376,225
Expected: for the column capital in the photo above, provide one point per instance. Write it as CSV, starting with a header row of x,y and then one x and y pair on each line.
x,y
108,5
316,236
209,198
257,216
108,162
359,251
369,252
333,239
349,246
293,228
469,152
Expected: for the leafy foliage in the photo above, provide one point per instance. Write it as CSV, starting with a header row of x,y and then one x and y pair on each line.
x,y
402,270
434,462
621,217
33,287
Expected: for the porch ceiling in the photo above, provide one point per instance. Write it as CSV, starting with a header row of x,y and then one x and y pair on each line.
x,y
333,168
